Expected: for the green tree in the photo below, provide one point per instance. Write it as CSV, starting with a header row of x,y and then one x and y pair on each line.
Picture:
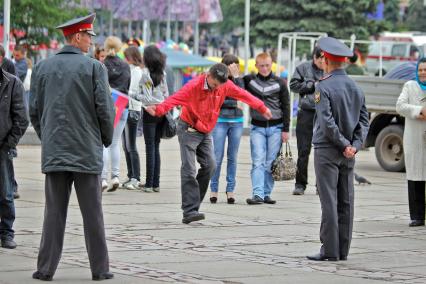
x,y
38,19
338,18
233,15
416,16
392,11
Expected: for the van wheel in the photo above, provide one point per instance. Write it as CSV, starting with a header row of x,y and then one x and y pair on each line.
x,y
377,74
389,149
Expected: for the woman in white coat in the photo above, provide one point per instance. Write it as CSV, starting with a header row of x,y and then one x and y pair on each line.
x,y
412,105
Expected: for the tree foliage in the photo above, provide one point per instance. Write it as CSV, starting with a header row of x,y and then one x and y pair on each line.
x,y
38,19
417,15
338,18
392,12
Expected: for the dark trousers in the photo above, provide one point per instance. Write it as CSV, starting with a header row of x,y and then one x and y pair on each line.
x,y
194,146
152,134
304,130
335,183
130,149
7,206
416,199
57,192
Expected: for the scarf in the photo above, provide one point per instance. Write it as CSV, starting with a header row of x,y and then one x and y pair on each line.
x,y
421,84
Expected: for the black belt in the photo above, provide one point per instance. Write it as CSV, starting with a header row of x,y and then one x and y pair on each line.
x,y
266,123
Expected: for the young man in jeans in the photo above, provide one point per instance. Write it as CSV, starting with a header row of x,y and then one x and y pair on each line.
x,y
266,136
201,100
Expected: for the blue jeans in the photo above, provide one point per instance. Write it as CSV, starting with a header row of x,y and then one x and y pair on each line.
x,y
111,155
7,206
265,143
232,130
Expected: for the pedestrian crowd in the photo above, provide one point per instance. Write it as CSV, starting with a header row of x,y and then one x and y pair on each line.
x,y
70,105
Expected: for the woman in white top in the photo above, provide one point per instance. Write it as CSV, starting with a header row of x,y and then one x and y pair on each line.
x,y
412,105
154,91
134,58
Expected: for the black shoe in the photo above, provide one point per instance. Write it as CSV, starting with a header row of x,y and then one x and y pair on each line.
x,y
319,257
213,199
343,258
255,200
268,200
8,243
16,195
298,190
43,277
102,276
230,200
416,223
193,217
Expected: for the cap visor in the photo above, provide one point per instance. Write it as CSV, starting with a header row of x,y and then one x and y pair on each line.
x,y
91,33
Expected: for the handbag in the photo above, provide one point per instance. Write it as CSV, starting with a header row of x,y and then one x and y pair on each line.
x,y
168,129
283,167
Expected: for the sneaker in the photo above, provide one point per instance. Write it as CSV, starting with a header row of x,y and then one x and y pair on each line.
x,y
132,184
298,190
147,189
16,195
255,200
268,200
8,243
115,183
193,217
104,184
123,185
156,189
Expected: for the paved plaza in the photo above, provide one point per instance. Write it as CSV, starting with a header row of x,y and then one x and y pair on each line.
x,y
236,243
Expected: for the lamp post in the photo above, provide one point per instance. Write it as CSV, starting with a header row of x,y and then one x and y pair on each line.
x,y
6,27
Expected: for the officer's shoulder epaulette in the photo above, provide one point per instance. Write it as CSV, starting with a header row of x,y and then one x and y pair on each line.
x,y
326,77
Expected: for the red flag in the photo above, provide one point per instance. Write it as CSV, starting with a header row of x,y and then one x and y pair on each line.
x,y
120,102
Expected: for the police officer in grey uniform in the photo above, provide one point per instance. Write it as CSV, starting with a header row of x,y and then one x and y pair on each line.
x,y
340,127
72,112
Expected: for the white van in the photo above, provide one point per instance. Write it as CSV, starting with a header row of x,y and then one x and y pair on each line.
x,y
396,48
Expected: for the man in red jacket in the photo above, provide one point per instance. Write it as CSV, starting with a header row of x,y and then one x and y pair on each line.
x,y
201,100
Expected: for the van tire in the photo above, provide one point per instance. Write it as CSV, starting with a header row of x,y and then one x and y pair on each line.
x,y
389,148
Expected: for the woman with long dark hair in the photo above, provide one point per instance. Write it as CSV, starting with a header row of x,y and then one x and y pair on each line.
x,y
154,91
134,58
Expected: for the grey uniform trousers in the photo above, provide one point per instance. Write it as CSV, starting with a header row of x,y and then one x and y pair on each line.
x,y
57,192
335,186
194,146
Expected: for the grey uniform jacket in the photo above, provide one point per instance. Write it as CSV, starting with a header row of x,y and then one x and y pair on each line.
x,y
13,118
303,83
72,111
341,118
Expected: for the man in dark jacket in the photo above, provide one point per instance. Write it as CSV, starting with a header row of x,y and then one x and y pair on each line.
x,y
8,66
13,122
266,136
303,82
72,112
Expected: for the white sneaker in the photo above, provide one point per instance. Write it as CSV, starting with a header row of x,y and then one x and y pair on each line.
x,y
115,183
104,184
132,184
123,185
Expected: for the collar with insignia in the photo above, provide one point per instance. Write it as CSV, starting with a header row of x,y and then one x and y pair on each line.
x,y
317,97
